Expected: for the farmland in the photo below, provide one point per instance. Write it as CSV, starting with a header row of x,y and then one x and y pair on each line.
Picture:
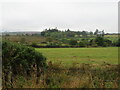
x,y
59,44
76,68
67,56
38,39
88,61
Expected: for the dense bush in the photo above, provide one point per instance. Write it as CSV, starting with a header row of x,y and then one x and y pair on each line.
x,y
99,41
118,43
107,42
92,43
73,42
34,44
19,60
82,44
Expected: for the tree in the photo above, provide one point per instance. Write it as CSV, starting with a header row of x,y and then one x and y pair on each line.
x,y
49,39
68,30
43,33
84,33
82,44
107,42
73,42
91,33
100,41
96,32
118,43
92,43
103,33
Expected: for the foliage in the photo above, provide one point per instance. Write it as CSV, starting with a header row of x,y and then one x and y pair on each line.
x,y
19,60
34,44
72,42
23,40
83,76
82,44
57,38
99,41
118,43
67,33
107,42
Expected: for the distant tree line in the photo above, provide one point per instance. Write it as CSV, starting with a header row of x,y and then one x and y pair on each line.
x,y
54,32
95,42
53,37
68,38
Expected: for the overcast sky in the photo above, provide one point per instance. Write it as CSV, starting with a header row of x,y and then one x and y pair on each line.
x,y
36,15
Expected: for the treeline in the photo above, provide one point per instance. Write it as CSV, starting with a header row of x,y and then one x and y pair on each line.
x,y
99,41
60,39
68,33
55,38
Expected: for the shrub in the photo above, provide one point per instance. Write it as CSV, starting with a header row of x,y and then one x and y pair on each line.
x,y
34,44
118,43
100,41
19,60
23,40
73,42
82,44
92,43
107,43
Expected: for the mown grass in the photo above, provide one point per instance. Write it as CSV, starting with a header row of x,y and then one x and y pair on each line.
x,y
68,56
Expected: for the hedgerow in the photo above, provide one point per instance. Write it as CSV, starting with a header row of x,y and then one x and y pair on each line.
x,y
18,59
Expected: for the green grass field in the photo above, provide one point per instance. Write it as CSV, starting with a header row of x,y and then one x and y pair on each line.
x,y
113,38
70,56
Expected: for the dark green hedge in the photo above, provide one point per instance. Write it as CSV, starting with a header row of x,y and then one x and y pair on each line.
x,y
18,59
